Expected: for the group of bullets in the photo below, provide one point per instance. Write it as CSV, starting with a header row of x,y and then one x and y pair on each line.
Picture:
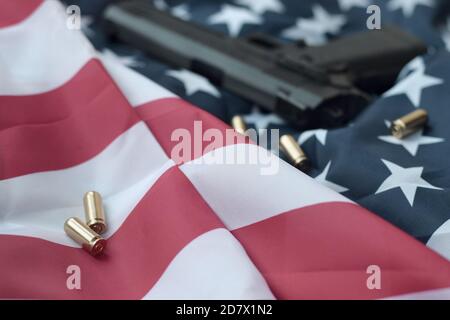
x,y
400,128
87,234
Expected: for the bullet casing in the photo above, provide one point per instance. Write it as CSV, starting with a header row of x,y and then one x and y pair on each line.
x,y
295,154
409,124
93,209
82,234
238,123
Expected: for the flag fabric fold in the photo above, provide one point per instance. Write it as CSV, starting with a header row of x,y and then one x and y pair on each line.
x,y
73,120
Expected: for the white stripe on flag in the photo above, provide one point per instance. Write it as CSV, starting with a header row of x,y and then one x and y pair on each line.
x,y
25,72
241,195
38,204
212,266
41,53
137,89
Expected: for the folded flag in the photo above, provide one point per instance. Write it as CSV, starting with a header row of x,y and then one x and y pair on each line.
x,y
406,181
73,120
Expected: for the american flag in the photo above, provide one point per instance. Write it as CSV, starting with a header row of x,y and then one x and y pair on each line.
x,y
75,116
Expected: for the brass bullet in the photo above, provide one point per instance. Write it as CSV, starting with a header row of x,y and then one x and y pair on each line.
x,y
82,234
93,209
409,124
238,123
295,154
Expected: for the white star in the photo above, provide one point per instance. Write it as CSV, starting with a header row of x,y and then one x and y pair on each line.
x,y
325,21
129,61
416,64
262,120
412,142
313,30
322,178
408,6
261,6
413,85
407,179
348,4
320,134
181,11
194,82
160,4
234,17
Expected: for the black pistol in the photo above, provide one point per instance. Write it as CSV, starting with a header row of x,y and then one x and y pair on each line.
x,y
310,87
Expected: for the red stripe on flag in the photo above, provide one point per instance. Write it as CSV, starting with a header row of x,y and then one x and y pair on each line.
x,y
75,96
63,127
14,11
170,216
323,251
164,116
